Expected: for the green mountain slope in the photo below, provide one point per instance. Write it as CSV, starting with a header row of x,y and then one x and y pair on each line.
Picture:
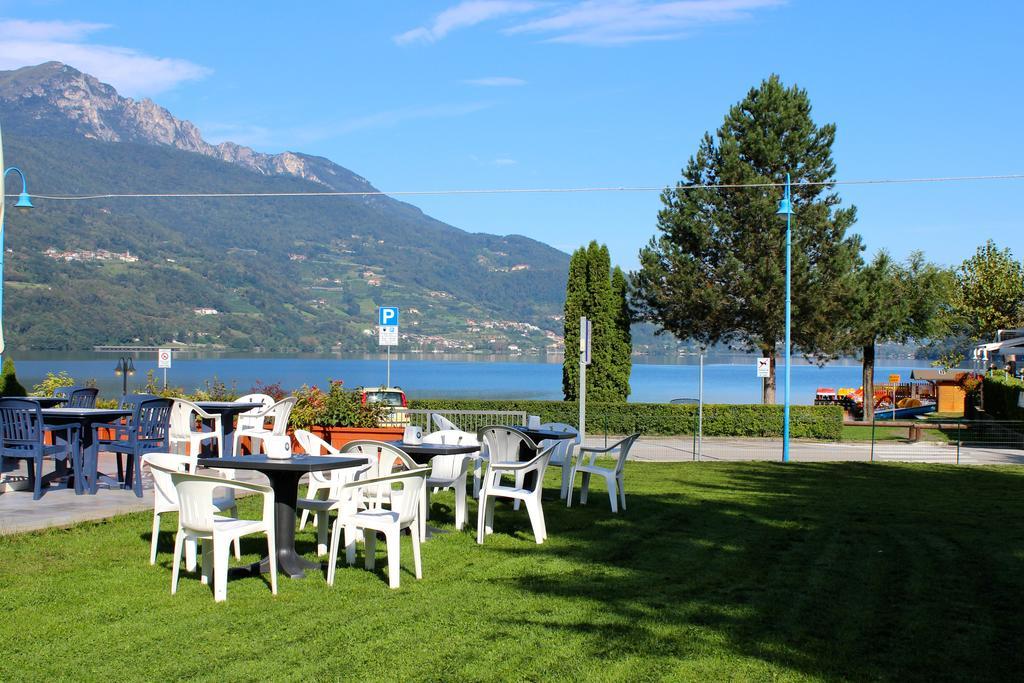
x,y
282,273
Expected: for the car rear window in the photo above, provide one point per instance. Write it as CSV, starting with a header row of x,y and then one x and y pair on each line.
x,y
391,398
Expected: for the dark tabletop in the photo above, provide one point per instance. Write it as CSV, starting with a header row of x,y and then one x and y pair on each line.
x,y
296,463
544,434
432,449
226,406
47,401
83,413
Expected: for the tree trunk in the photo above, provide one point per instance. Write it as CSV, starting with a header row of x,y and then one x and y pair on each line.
x,y
768,385
868,381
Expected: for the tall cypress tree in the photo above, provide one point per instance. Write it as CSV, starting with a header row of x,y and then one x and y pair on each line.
x,y
624,340
575,289
590,293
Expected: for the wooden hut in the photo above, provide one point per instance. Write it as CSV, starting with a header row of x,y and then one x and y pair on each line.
x,y
949,396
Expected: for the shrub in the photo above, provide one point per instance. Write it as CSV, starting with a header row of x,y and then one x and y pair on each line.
x,y
335,408
53,382
215,390
274,391
9,384
664,419
1001,392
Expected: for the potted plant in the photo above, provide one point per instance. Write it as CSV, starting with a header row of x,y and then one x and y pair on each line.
x,y
338,416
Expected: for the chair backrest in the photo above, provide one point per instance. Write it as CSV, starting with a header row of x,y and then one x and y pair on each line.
x,y
280,412
313,444
82,397
411,484
451,436
195,500
449,466
248,419
503,443
624,447
151,418
182,419
383,457
442,422
562,452
161,465
21,422
129,401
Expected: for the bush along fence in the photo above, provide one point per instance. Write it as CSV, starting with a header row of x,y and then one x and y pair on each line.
x,y
1001,393
661,419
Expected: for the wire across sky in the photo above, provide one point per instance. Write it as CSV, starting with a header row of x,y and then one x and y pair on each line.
x,y
532,190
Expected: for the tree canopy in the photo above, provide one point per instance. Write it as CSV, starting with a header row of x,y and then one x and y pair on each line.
x,y
716,271
989,293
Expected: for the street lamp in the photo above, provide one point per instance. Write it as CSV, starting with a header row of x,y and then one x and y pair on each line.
x,y
125,368
24,203
786,209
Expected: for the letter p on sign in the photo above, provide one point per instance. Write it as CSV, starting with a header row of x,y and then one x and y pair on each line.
x,y
387,316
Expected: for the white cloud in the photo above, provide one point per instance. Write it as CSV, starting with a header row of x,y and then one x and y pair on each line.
x,y
465,14
504,161
24,43
592,22
619,22
495,82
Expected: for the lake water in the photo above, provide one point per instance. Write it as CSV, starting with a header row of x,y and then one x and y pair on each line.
x,y
726,380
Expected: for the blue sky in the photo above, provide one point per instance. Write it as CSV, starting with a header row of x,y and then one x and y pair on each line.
x,y
517,94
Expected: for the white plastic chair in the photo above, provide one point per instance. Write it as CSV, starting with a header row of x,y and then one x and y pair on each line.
x,y
252,423
562,455
196,521
165,498
318,500
403,513
182,436
441,422
613,477
448,472
503,444
494,489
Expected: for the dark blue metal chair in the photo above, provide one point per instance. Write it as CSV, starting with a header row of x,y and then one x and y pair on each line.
x,y
142,432
82,397
22,438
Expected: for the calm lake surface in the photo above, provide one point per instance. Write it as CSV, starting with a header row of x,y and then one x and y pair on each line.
x,y
726,380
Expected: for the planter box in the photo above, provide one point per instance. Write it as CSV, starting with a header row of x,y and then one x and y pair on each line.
x,y
339,436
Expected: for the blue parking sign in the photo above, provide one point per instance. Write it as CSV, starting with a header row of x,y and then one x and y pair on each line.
x,y
387,316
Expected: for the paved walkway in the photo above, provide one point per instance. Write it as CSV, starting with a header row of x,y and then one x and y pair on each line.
x,y
60,507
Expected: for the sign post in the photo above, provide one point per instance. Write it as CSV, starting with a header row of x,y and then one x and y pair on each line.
x,y
163,361
585,334
894,380
387,326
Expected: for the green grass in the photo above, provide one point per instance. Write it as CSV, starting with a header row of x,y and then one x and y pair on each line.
x,y
717,571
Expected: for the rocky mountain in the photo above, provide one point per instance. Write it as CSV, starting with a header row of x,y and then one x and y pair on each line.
x,y
274,274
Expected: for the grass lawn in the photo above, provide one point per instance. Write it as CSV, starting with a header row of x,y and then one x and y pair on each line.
x,y
717,571
862,433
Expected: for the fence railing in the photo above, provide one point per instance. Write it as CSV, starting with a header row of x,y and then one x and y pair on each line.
x,y
466,420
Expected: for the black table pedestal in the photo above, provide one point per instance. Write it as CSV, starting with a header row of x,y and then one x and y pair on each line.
x,y
286,492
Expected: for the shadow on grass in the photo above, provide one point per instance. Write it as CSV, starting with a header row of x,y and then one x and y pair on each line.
x,y
853,570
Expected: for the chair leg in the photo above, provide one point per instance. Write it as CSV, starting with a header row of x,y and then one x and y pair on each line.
x,y
176,567
350,544
77,466
272,557
370,541
536,512
584,488
568,491
394,540
416,558
206,572
332,553
137,465
613,493
565,482
421,521
460,504
191,551
477,476
220,568
520,480
322,521
120,467
622,491
156,535
36,472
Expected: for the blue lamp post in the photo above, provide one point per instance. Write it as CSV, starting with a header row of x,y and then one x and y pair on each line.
x,y
24,203
786,209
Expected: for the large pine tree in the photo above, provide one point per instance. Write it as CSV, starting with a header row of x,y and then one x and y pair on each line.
x,y
717,270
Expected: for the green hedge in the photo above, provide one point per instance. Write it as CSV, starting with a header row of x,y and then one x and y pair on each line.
x,y
1000,396
663,419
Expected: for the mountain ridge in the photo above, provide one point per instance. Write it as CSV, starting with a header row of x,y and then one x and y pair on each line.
x,y
277,271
